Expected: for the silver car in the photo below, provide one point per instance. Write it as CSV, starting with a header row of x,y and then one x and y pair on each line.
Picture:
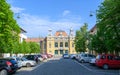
x,y
85,57
28,63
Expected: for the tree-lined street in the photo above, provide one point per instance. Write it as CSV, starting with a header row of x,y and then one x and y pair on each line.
x,y
99,44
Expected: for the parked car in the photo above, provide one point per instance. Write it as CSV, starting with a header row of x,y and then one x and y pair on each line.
x,y
65,56
107,61
28,63
49,55
44,56
31,57
92,61
40,58
83,57
5,68
77,56
18,60
72,56
8,66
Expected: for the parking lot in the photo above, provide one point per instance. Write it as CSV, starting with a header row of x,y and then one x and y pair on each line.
x,y
24,70
96,69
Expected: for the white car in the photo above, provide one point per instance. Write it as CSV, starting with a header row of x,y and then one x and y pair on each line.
x,y
92,61
84,57
65,56
28,63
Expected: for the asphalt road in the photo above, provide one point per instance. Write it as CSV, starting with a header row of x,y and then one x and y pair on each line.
x,y
63,67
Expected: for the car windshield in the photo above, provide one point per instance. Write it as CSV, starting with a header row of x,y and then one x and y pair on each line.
x,y
24,59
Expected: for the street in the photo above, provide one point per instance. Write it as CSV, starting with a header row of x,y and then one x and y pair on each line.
x,y
62,66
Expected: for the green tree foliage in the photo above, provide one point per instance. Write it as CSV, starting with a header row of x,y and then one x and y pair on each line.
x,y
25,47
81,38
28,48
9,29
107,38
35,47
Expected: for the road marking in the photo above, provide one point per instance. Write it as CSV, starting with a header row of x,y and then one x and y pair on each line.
x,y
38,66
84,66
96,71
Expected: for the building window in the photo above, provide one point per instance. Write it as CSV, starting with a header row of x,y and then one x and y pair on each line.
x,y
61,44
72,44
66,51
56,51
50,51
49,45
61,51
66,44
56,44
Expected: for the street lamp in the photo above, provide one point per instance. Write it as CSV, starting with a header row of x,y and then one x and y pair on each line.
x,y
91,13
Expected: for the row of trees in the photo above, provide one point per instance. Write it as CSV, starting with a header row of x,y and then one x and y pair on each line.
x,y
9,29
26,47
107,38
9,33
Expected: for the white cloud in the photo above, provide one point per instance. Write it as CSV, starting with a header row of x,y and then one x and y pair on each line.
x,y
17,9
37,26
66,12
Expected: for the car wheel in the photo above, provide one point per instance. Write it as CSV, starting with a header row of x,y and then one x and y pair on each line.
x,y
3,72
105,66
82,61
28,65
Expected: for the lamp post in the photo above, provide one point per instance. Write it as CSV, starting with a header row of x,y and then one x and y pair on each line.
x,y
92,13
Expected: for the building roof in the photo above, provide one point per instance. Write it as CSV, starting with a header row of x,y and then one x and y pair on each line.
x,y
60,33
34,39
23,31
93,28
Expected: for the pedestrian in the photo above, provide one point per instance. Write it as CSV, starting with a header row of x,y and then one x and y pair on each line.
x,y
36,59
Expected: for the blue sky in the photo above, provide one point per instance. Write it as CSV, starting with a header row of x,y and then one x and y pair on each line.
x,y
38,16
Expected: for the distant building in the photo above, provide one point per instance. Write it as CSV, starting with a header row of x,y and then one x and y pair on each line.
x,y
59,43
37,40
93,30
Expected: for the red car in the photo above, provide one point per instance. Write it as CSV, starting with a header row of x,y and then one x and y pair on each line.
x,y
49,55
108,61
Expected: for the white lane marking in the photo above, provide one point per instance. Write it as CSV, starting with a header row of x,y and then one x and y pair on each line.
x,y
96,71
38,66
84,66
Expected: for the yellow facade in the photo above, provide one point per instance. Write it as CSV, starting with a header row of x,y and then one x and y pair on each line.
x,y
60,43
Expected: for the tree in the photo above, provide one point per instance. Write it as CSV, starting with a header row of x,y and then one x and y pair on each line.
x,y
81,39
35,48
9,28
25,47
108,27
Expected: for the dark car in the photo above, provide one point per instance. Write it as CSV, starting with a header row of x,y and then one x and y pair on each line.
x,y
7,66
65,56
31,57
